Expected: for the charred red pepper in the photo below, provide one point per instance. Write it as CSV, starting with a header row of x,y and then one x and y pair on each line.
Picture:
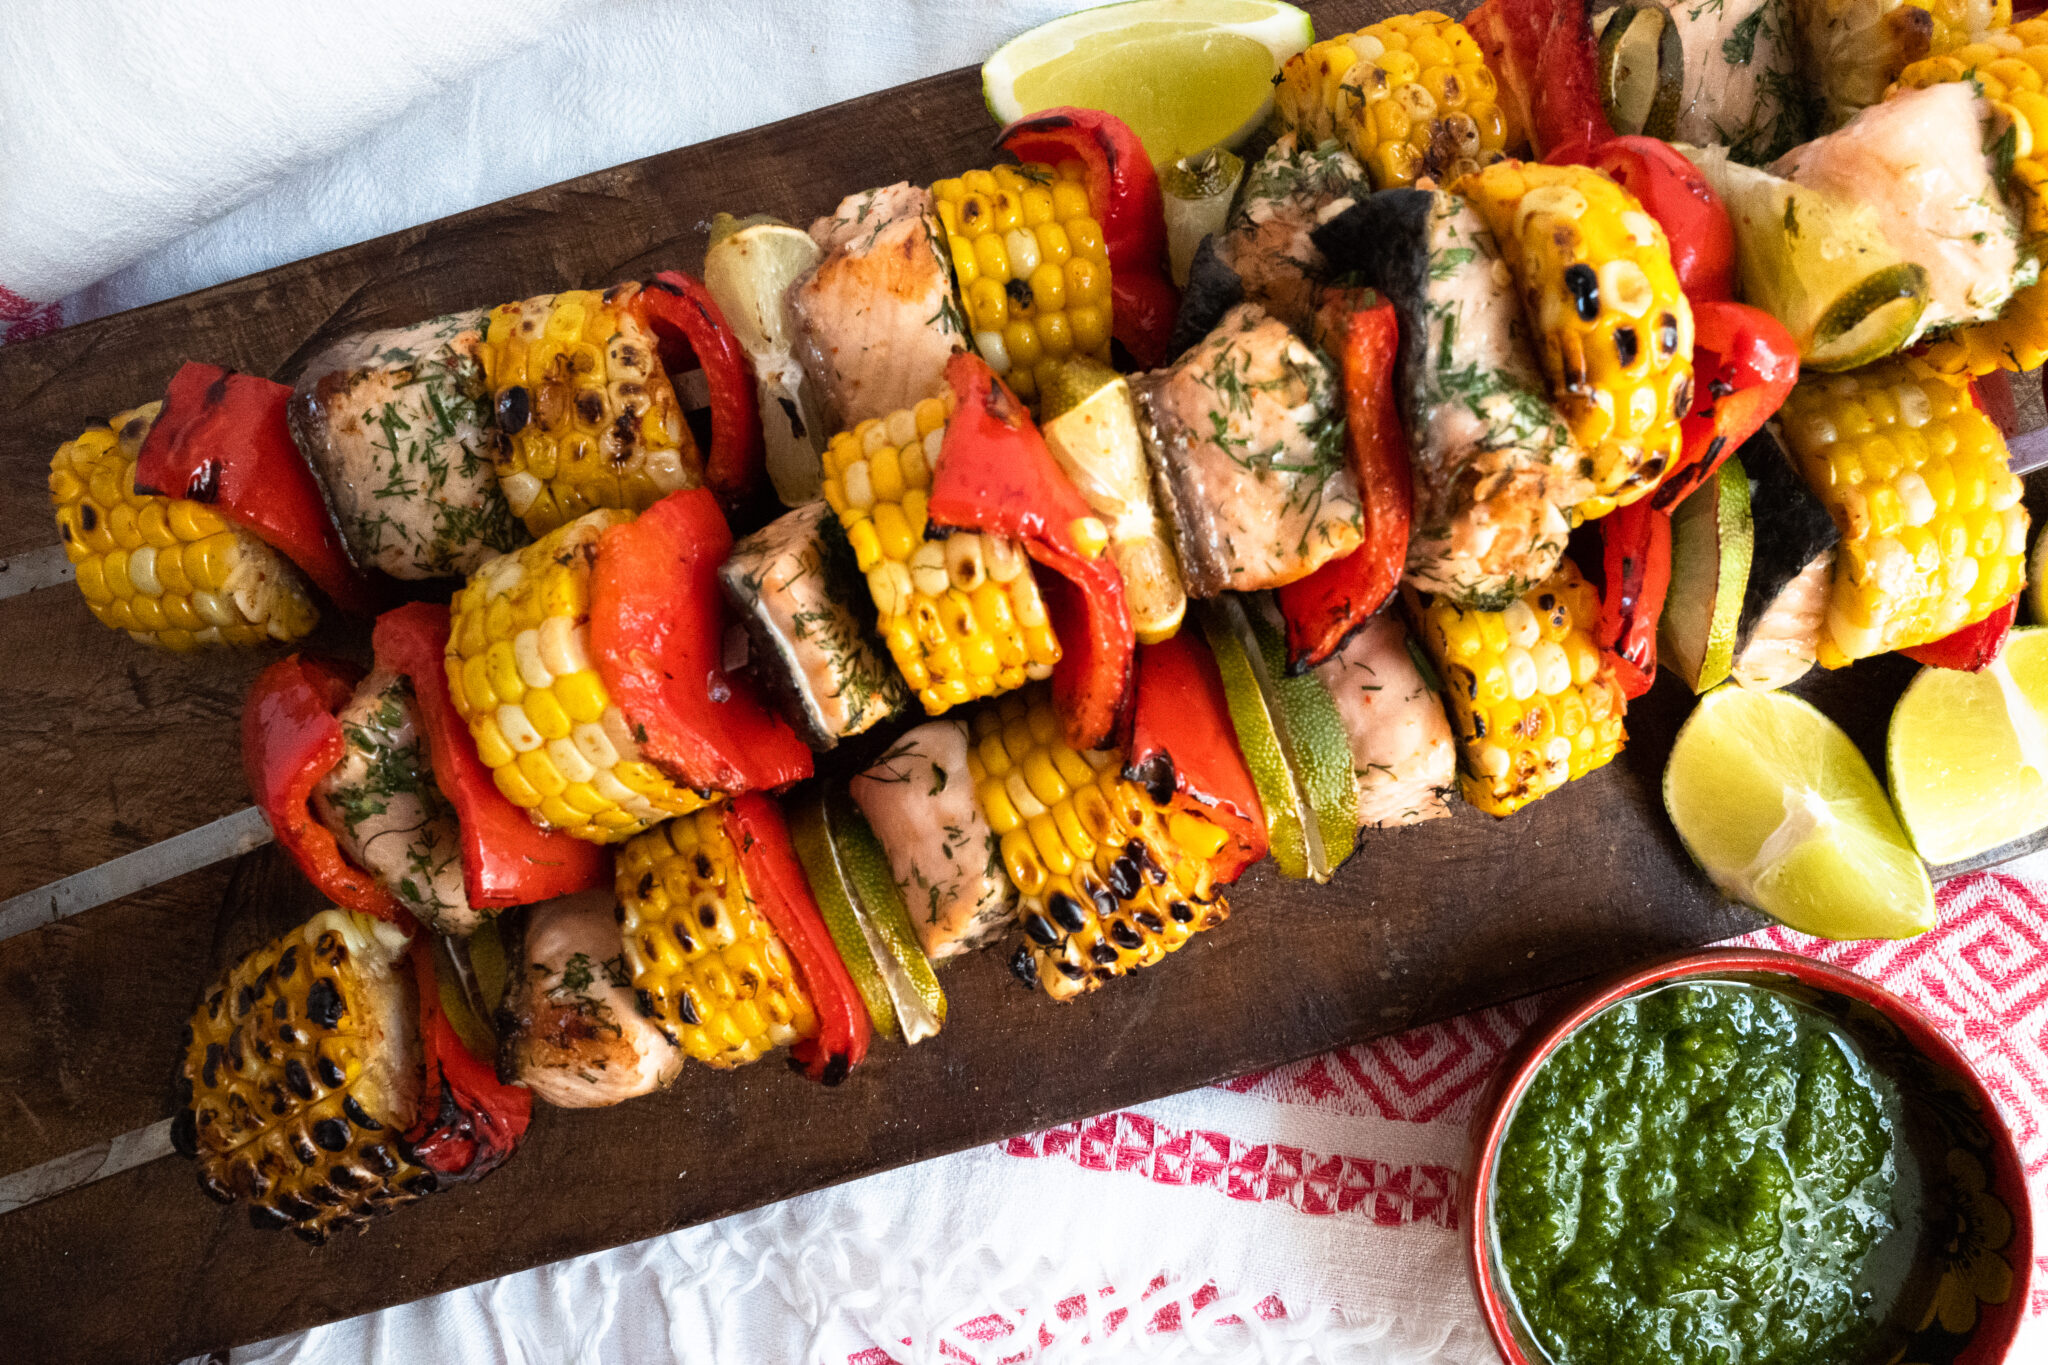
x,y
506,858
1184,749
1544,58
1123,189
468,1122
1325,607
1635,544
681,312
290,740
657,631
995,475
1971,648
222,439
1744,363
782,893
1671,190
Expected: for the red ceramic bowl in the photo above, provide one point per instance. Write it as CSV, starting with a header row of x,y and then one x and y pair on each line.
x,y
1985,1265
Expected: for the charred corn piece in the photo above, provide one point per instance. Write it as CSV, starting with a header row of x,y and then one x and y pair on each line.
x,y
704,961
1409,96
2010,66
1108,879
169,571
1853,50
1917,479
301,1070
962,615
586,416
1031,265
520,668
1613,327
1534,702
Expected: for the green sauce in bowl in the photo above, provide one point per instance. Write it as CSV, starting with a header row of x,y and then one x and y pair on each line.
x,y
1708,1173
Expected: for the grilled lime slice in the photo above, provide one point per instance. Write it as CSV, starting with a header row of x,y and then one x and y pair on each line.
x,y
1258,735
1967,755
2037,578
1291,722
1711,542
812,835
1642,70
1820,265
1184,74
1779,808
906,971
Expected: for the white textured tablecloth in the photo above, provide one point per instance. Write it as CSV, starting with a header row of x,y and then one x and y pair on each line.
x,y
148,148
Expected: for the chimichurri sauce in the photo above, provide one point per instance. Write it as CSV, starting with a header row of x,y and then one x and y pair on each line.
x,y
1699,1175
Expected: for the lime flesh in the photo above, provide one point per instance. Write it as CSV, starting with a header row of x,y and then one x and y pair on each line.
x,y
2037,579
1776,804
1184,74
1968,752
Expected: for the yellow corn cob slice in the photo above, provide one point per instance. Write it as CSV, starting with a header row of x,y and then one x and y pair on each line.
x,y
1613,326
1108,879
2009,64
586,416
519,666
301,1071
1031,265
1917,479
962,616
169,571
1409,96
704,961
1534,701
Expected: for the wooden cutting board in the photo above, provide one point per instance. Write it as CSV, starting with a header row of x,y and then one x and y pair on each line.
x,y
109,748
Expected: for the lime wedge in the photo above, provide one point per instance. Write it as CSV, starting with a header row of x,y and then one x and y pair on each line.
x,y
1779,808
1292,737
1184,74
1968,752
812,836
913,985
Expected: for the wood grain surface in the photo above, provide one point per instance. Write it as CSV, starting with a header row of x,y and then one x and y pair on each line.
x,y
108,747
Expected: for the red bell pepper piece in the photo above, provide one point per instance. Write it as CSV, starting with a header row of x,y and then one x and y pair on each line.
x,y
1971,648
468,1122
1184,749
1671,190
1635,544
679,310
1123,189
290,740
1744,363
995,475
1544,58
506,858
781,892
657,631
1325,607
222,439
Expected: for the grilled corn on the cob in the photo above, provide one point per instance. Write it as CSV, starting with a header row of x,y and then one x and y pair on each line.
x,y
301,1070
705,962
1409,96
1613,327
1110,880
169,571
2009,65
520,669
1032,267
586,416
1534,702
1933,533
962,616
